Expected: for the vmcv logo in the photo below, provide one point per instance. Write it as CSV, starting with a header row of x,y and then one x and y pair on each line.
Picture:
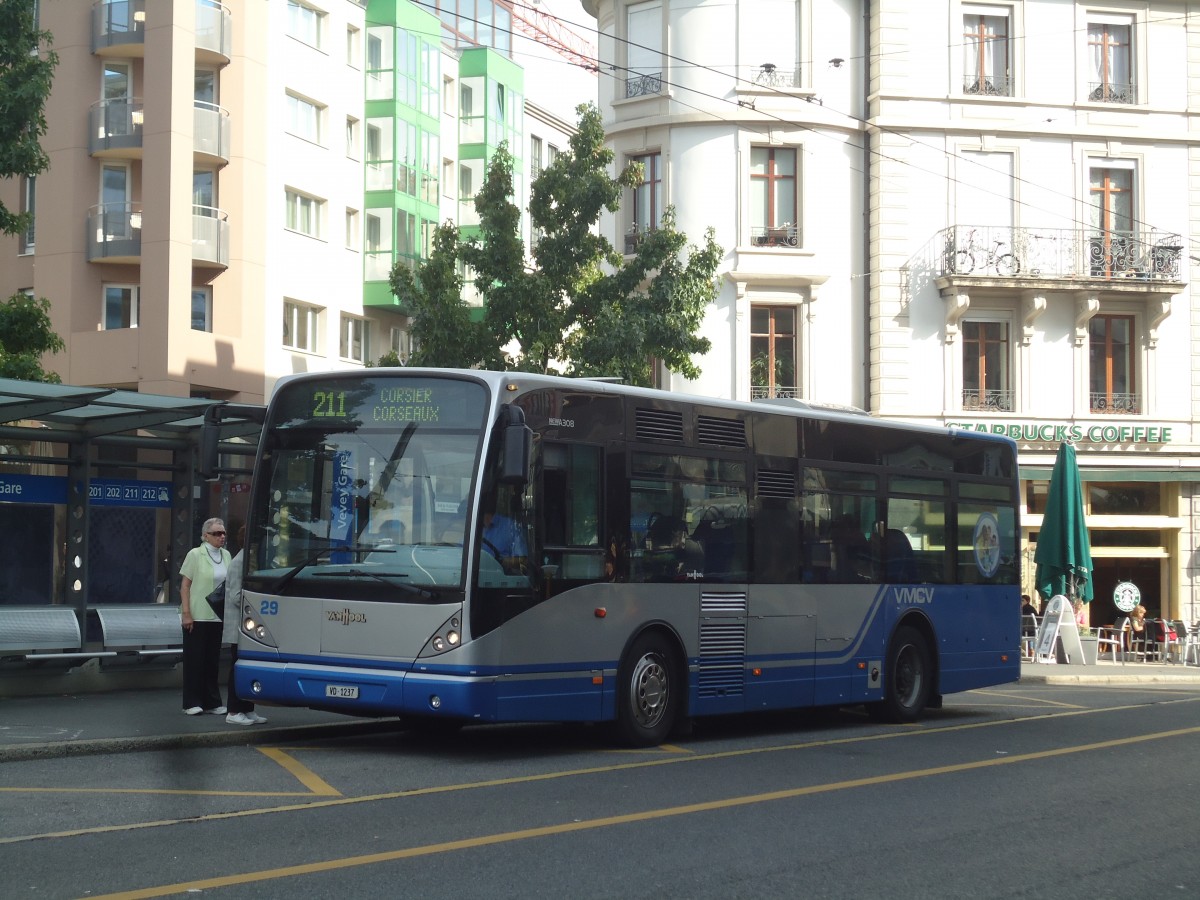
x,y
914,595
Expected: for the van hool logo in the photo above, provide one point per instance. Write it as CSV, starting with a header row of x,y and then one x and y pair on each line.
x,y
346,616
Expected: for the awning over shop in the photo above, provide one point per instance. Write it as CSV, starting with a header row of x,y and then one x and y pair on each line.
x,y
1133,473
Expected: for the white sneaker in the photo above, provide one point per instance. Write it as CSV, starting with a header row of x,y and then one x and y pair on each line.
x,y
216,711
239,719
193,711
258,720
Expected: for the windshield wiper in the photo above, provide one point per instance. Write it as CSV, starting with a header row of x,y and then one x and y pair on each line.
x,y
386,579
315,556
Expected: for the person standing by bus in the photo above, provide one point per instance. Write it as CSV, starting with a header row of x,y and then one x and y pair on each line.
x,y
204,569
241,712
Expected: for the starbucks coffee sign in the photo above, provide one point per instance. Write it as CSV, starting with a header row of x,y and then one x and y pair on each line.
x,y
1056,433
1127,596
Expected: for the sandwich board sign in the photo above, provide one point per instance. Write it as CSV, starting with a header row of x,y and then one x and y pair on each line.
x,y
1058,624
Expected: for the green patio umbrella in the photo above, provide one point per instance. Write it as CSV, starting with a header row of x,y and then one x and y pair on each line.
x,y
1064,554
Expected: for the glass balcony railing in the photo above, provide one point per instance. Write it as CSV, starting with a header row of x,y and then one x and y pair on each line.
x,y
211,130
115,125
210,235
214,29
118,23
115,232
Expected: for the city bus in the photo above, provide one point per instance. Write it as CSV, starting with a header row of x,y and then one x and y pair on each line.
x,y
476,547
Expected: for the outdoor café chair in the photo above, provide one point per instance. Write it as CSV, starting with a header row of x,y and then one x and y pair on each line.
x,y
1112,637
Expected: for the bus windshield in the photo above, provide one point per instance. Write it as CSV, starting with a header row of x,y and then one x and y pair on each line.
x,y
364,483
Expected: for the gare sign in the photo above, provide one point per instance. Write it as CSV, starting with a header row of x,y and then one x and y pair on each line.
x,y
1057,432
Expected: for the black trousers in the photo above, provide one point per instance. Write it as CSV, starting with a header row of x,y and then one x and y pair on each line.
x,y
236,704
202,665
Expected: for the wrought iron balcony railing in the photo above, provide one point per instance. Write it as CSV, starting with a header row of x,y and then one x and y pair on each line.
x,y
988,85
773,392
1112,93
773,76
1115,404
643,85
785,235
1050,253
974,400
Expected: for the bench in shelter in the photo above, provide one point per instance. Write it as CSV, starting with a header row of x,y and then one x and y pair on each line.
x,y
43,633
144,630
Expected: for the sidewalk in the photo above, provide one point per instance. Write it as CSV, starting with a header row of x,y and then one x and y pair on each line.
x,y
151,719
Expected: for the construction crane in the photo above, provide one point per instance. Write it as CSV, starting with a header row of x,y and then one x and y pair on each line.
x,y
546,29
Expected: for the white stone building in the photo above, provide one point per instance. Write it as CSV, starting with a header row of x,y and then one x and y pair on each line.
x,y
974,214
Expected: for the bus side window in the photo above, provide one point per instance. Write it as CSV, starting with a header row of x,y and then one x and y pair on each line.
x,y
571,513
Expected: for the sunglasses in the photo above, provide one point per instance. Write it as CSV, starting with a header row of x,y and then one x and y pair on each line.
x,y
217,533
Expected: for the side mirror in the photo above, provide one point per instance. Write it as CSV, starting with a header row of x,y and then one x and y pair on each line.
x,y
516,447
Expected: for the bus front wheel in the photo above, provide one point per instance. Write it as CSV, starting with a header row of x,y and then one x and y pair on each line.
x,y
650,690
908,678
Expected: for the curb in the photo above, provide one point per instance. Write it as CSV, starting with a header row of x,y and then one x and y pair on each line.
x,y
1080,679
61,749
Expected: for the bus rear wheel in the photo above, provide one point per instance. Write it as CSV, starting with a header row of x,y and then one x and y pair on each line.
x,y
908,678
649,691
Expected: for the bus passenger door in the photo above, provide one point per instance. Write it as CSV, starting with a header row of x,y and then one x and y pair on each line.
x,y
782,636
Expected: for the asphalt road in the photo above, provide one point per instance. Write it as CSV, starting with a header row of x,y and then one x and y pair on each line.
x,y
1022,791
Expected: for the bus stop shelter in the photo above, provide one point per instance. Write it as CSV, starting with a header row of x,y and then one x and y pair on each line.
x,y
100,500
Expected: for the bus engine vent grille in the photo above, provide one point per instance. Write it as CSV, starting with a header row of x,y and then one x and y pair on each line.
x,y
722,666
660,425
723,603
720,432
776,485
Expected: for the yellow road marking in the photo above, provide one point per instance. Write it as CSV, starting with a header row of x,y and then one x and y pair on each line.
x,y
303,774
525,834
569,773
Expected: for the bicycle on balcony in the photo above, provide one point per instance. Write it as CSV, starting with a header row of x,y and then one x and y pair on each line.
x,y
973,254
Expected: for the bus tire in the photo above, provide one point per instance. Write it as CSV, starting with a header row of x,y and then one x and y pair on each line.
x,y
908,678
649,691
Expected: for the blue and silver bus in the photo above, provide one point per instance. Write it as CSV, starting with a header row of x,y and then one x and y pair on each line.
x,y
465,546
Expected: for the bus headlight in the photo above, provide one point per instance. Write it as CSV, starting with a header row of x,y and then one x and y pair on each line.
x,y
446,638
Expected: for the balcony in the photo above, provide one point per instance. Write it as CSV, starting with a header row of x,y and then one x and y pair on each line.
x,y
214,32
1112,93
975,400
1114,404
785,235
119,27
643,85
210,133
114,233
634,238
769,75
988,85
1021,255
115,128
773,392
210,237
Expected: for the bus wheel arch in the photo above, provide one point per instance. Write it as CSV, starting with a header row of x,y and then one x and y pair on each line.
x,y
910,682
651,687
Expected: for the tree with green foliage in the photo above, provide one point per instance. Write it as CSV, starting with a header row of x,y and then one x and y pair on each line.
x,y
580,304
25,334
25,78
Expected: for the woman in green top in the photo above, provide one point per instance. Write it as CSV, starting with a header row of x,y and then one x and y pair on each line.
x,y
204,569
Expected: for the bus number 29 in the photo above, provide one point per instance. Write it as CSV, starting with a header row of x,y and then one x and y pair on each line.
x,y
269,608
